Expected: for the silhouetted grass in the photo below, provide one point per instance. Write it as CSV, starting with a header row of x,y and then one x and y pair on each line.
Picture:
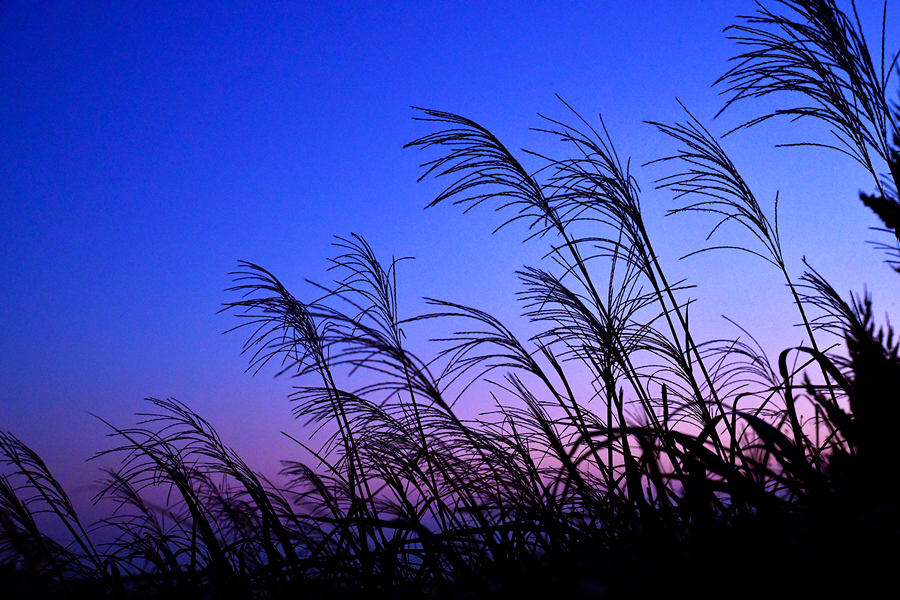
x,y
686,467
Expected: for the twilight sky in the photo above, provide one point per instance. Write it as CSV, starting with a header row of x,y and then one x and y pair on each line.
x,y
149,146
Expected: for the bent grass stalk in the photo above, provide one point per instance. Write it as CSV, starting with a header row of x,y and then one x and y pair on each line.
x,y
686,450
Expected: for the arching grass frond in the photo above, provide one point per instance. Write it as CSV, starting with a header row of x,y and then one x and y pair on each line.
x,y
818,54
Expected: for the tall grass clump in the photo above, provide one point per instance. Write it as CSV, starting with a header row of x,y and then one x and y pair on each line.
x,y
623,455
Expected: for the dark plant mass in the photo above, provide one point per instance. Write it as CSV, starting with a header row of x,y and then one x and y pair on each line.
x,y
623,457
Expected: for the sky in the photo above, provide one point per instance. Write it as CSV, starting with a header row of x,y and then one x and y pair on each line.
x,y
147,147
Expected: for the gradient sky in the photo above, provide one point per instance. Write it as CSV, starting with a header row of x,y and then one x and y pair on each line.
x,y
149,146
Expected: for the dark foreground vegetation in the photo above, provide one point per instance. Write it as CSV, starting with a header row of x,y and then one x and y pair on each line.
x,y
622,457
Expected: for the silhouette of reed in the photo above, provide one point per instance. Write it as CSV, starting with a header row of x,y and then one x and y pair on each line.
x,y
688,464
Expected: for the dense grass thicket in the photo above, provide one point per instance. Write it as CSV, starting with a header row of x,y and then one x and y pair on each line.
x,y
623,456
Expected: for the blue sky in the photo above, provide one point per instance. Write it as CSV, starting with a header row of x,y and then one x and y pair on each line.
x,y
147,147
